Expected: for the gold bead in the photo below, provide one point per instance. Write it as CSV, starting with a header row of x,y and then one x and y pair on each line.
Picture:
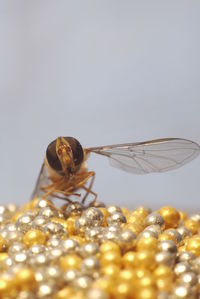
x,y
143,212
146,293
135,218
149,243
141,272
127,274
105,213
163,271
193,245
145,259
192,225
3,244
79,239
126,212
16,216
104,283
110,257
164,284
34,236
134,227
70,225
25,279
122,290
171,216
64,293
5,287
70,261
109,246
111,270
59,221
129,259
3,256
146,280
183,215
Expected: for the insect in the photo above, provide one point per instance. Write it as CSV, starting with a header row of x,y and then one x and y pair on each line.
x,y
64,172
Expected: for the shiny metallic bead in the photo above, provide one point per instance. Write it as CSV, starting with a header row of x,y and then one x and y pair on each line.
x,y
181,268
96,293
148,234
12,208
14,236
186,256
94,215
74,209
47,273
70,275
116,218
53,242
69,246
20,257
3,219
46,290
36,249
90,264
94,233
82,223
89,249
52,228
156,219
175,234
188,278
114,209
182,291
163,295
97,204
112,235
16,247
24,223
55,253
195,263
26,295
184,232
82,282
195,217
39,221
126,239
168,246
39,259
49,212
3,210
43,203
166,258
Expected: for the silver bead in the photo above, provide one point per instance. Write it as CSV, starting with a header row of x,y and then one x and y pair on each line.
x,y
24,223
14,236
96,294
89,249
188,278
26,295
36,249
43,203
126,239
94,233
4,210
112,235
46,290
186,256
69,246
55,253
39,221
167,245
94,215
90,265
49,212
47,273
182,292
20,257
81,224
181,268
16,247
116,218
154,218
82,282
165,257
195,263
163,295
74,209
184,232
52,228
195,217
148,234
12,208
70,275
53,242
114,209
39,259
174,233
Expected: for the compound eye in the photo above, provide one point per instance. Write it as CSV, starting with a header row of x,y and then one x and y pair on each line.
x,y
52,157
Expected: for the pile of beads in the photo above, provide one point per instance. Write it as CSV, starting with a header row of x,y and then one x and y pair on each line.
x,y
98,252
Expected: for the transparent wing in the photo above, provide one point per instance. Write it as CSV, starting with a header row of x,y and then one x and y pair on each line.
x,y
41,181
150,156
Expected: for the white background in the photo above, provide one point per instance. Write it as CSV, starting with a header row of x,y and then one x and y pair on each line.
x,y
104,72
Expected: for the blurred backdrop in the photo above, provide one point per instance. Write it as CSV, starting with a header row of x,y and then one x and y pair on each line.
x,y
105,72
